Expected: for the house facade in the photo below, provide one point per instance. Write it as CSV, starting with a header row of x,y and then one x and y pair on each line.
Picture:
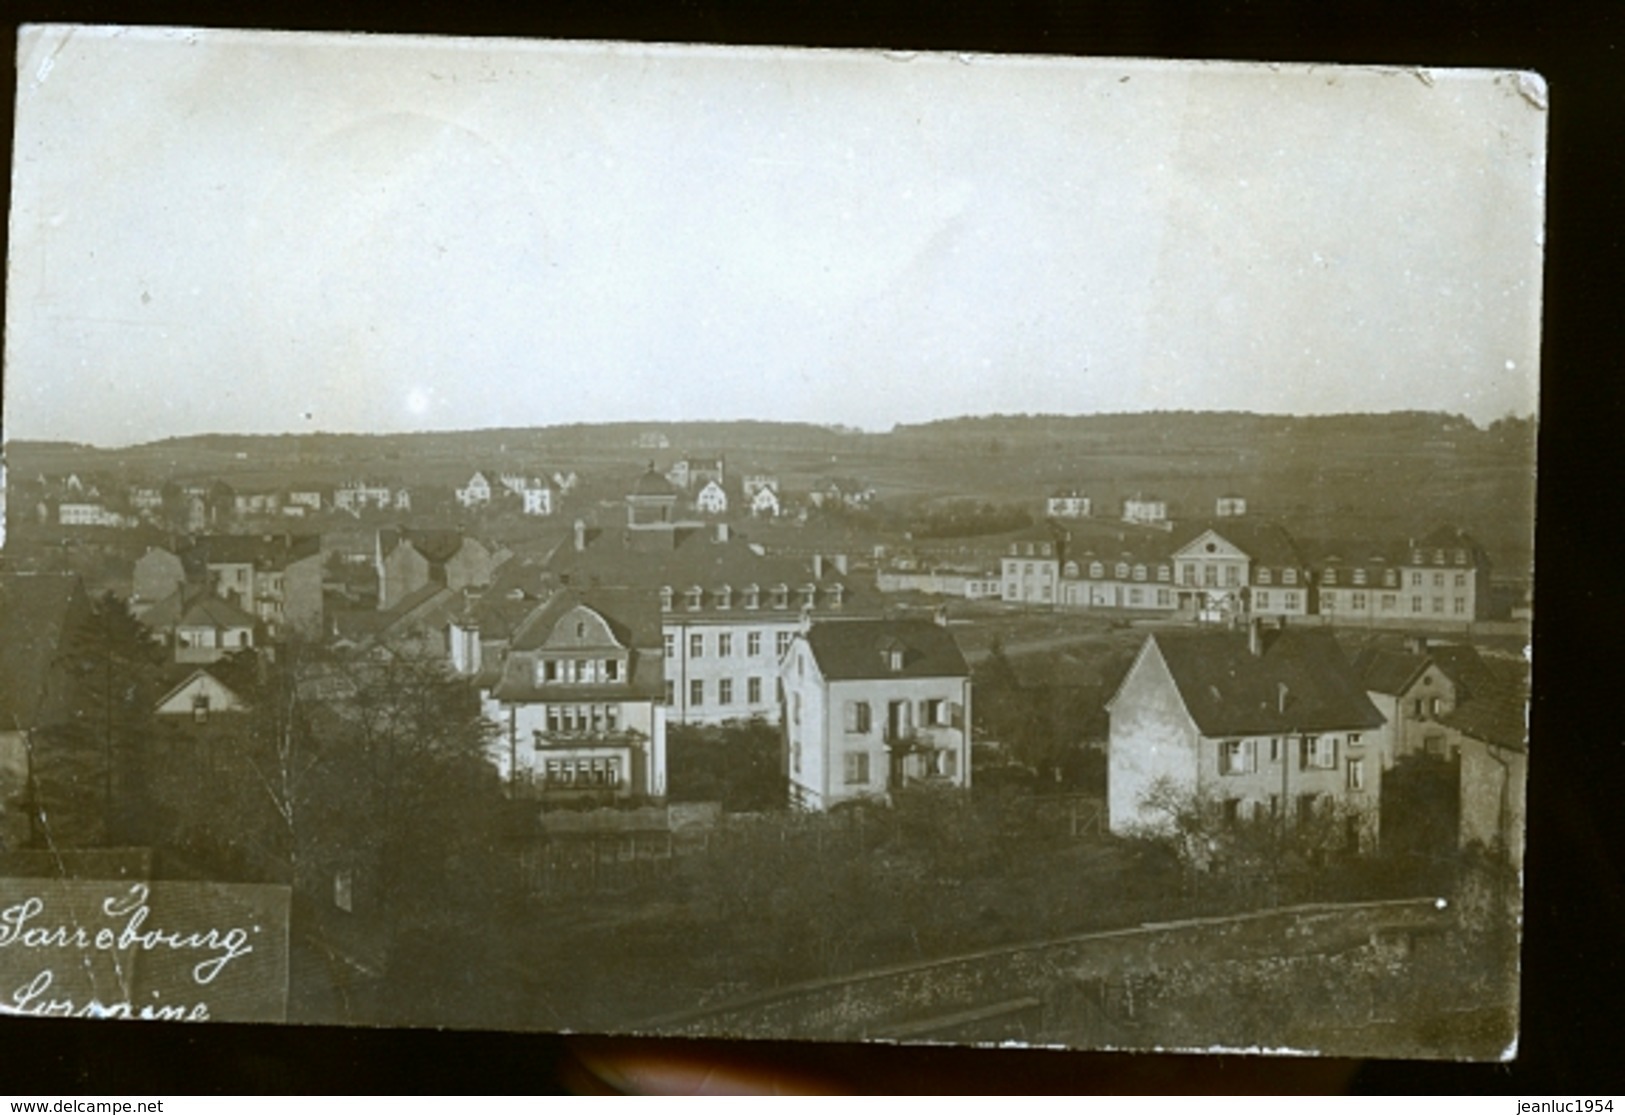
x,y
1030,570
1262,726
1144,509
711,499
1136,576
872,706
276,578
1445,578
408,561
575,683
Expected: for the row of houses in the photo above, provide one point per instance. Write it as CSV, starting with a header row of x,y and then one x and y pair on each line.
x,y
1277,726
1140,508
1246,568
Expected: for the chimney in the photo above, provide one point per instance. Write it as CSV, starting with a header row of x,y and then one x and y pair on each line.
x,y
840,564
581,536
1417,644
1281,694
818,567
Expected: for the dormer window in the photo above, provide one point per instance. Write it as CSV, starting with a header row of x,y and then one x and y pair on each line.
x,y
1329,577
1122,571
1096,570
1164,573
837,592
1289,576
725,597
753,597
1071,569
694,597
665,598
809,595
781,596
1359,576
1461,557
1263,576
1390,578
1139,572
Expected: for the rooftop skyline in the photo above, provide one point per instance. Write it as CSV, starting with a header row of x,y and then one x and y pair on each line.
x,y
255,233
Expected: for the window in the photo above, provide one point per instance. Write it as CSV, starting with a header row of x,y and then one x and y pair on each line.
x,y
1165,599
1438,604
1136,597
696,693
1275,750
725,691
949,764
753,690
665,598
1308,806
1359,576
1461,580
1232,575
1263,576
550,670
1315,753
781,596
671,645
1289,576
1236,756
857,768
1096,570
1231,811
1210,576
1261,599
1416,603
725,645
696,646
725,598
1328,601
795,708
1163,573
671,692
1356,777
1029,569
934,711
694,598
753,597
1438,580
1416,580
1389,601
753,644
781,642
795,757
612,669
858,717
1289,601
200,708
1329,577
1357,601
1461,605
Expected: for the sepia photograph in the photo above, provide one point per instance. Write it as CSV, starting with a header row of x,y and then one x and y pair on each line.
x,y
916,548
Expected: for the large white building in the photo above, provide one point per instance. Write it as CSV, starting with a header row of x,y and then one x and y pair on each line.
x,y
728,609
872,706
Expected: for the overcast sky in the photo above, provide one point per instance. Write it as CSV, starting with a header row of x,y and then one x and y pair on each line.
x,y
265,233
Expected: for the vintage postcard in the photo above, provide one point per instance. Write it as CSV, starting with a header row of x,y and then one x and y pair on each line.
x,y
803,544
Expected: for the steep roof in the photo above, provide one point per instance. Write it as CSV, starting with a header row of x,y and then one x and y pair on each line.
x,y
857,649
1497,708
1388,671
1266,543
436,546
633,620
1301,682
210,610
36,612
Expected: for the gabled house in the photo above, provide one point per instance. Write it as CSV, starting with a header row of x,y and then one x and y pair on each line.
x,y
1358,583
1266,725
276,578
711,499
198,696
871,706
1489,735
1413,693
575,680
409,560
765,503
